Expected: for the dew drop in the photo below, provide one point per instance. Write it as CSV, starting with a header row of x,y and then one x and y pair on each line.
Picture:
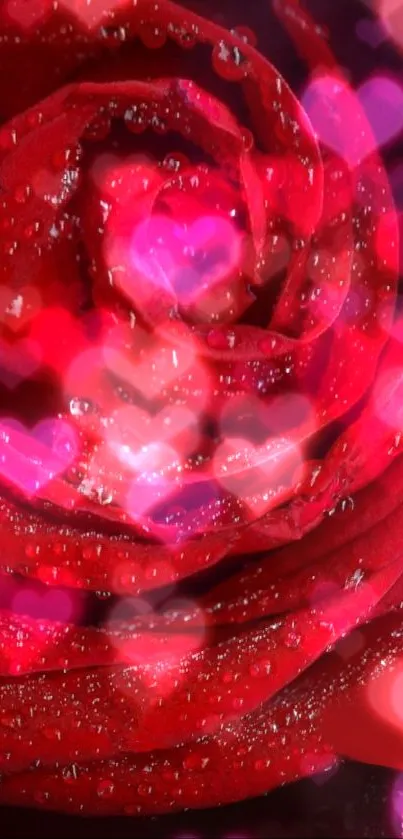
x,y
51,733
98,129
268,345
158,125
41,796
194,761
292,640
229,62
260,668
8,719
80,407
34,119
10,247
22,194
346,504
247,139
261,764
227,677
105,788
112,36
245,34
175,161
70,773
186,38
153,37
135,120
144,790
8,139
33,230
32,550
220,339
7,222
131,809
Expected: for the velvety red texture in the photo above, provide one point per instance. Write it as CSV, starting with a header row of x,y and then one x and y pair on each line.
x,y
249,681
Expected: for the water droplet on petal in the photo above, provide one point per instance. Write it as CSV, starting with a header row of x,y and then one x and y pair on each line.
x,y
153,36
195,761
22,194
98,129
135,120
261,764
229,62
143,790
105,788
292,639
260,668
175,161
245,34
70,773
80,407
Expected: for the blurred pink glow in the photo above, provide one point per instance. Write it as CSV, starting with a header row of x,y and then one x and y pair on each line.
x,y
371,32
335,112
257,418
30,459
385,696
157,367
260,476
397,805
143,647
185,259
134,430
382,99
391,15
152,485
29,13
18,360
51,605
388,397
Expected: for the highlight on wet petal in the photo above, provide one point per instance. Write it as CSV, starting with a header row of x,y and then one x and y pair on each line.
x,y
387,397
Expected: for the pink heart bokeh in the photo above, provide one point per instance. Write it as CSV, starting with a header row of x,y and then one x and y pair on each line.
x,y
185,260
18,361
354,123
31,458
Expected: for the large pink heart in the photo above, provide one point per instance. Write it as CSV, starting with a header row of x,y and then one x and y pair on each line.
x,y
184,260
30,459
340,116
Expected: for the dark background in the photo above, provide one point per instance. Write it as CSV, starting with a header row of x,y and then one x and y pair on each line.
x,y
356,800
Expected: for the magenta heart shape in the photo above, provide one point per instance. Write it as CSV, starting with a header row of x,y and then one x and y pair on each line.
x,y
371,32
56,604
355,123
185,259
31,458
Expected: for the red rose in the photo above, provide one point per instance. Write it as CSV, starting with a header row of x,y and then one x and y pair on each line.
x,y
201,379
